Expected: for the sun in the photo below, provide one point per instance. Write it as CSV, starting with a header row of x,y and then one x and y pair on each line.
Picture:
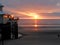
x,y
34,15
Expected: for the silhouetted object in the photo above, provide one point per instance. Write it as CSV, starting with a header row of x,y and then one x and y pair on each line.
x,y
14,30
6,31
1,6
8,26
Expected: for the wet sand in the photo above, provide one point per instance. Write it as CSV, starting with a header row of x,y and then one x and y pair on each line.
x,y
35,38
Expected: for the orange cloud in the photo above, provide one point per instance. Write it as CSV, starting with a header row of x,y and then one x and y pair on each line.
x,y
34,13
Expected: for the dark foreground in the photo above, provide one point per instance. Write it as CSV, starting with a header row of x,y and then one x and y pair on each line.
x,y
35,38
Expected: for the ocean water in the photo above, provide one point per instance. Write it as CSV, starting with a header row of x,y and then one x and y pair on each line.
x,y
39,22
42,25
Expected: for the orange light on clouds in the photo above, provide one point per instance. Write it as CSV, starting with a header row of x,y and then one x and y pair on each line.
x,y
33,15
12,15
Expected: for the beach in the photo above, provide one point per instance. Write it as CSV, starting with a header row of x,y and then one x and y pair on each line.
x,y
35,38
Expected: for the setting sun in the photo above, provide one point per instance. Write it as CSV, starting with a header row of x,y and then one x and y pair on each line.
x,y
34,15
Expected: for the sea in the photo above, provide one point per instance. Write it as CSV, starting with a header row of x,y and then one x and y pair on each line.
x,y
39,25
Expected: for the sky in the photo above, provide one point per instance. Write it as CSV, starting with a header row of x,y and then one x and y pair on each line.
x,y
45,9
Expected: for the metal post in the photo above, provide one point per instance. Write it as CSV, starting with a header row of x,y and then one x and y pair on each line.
x,y
2,39
2,42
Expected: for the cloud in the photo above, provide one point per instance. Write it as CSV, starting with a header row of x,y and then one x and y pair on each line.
x,y
28,3
37,6
58,4
32,5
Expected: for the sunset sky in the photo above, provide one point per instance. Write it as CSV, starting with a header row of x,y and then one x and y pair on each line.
x,y
42,9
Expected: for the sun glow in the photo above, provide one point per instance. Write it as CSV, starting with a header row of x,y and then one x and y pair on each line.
x,y
35,25
34,15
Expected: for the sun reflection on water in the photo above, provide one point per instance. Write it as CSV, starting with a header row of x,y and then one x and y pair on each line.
x,y
36,26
